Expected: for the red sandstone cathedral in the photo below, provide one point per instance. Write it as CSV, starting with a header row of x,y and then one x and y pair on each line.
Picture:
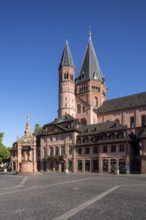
x,y
90,134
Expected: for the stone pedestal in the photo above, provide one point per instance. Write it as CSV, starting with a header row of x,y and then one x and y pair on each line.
x,y
34,167
59,167
26,167
66,167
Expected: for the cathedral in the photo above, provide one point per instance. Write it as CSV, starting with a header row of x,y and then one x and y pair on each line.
x,y
90,133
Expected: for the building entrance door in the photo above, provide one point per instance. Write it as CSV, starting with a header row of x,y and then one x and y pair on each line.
x,y
95,166
62,167
87,165
105,165
122,165
113,165
80,165
135,165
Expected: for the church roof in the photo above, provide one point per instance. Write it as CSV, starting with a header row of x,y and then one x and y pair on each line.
x,y
90,68
66,59
126,102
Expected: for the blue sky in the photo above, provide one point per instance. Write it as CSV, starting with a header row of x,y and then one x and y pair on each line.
x,y
32,38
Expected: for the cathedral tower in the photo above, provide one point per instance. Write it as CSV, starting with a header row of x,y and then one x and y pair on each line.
x,y
66,84
90,87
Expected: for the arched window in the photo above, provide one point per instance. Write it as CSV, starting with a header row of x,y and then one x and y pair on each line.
x,y
95,102
78,108
70,150
65,75
51,151
143,120
45,152
132,122
83,108
84,121
56,151
62,151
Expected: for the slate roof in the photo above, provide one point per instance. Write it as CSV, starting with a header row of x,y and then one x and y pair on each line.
x,y
101,127
102,134
66,122
62,119
122,103
90,68
66,59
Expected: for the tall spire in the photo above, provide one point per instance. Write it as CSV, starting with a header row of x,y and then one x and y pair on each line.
x,y
27,129
90,34
66,59
90,68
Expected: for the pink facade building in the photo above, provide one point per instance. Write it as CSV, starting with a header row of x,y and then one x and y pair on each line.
x,y
90,134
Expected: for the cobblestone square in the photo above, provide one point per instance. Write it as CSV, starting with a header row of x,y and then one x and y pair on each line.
x,y
69,196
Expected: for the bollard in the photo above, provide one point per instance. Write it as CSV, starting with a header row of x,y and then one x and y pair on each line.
x,y
5,170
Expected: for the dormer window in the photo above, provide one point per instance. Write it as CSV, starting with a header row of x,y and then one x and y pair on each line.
x,y
95,76
83,75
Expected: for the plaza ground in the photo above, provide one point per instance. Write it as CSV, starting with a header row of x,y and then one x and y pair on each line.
x,y
69,196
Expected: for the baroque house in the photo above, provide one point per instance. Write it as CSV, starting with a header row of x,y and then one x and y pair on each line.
x,y
90,134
